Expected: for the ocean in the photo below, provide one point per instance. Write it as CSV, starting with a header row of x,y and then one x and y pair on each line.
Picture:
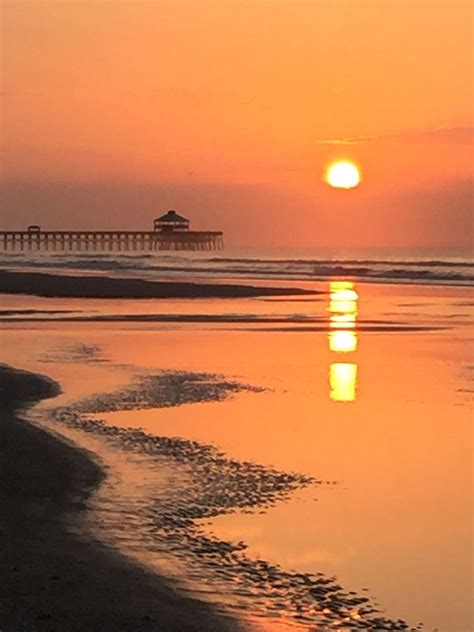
x,y
455,270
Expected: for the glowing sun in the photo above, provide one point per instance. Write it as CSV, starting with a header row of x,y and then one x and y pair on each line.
x,y
343,174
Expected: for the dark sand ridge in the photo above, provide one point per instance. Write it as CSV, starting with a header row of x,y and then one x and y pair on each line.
x,y
62,286
282,324
225,319
50,579
304,322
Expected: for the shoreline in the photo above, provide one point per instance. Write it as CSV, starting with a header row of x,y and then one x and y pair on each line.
x,y
52,579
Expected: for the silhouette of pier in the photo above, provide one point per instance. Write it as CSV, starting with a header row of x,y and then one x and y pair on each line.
x,y
170,232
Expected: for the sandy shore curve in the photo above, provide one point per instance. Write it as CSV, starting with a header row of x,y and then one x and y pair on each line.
x,y
54,580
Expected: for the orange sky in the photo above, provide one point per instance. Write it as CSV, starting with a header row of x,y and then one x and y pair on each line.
x,y
114,111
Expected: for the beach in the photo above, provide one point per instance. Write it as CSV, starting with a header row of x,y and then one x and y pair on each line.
x,y
52,579
292,460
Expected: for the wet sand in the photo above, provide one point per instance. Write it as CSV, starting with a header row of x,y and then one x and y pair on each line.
x,y
56,285
387,416
205,484
53,578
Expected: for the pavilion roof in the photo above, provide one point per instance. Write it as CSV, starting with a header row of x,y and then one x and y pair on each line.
x,y
172,216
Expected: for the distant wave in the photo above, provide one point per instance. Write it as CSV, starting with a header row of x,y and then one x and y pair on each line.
x,y
457,262
392,273
149,265
404,262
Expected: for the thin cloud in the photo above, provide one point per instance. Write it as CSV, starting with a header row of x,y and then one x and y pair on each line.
x,y
441,136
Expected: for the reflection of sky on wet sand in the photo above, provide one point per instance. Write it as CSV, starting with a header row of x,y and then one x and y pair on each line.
x,y
398,521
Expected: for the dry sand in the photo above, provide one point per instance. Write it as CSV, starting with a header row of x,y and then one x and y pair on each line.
x,y
53,580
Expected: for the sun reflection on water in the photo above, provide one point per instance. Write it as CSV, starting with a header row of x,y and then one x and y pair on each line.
x,y
342,341
343,338
343,381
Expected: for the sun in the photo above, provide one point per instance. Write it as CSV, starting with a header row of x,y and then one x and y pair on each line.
x,y
343,174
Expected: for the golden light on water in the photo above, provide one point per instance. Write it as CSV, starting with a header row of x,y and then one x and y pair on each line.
x,y
343,174
343,381
343,338
342,341
343,307
340,292
343,321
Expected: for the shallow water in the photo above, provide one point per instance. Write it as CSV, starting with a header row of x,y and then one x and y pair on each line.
x,y
353,395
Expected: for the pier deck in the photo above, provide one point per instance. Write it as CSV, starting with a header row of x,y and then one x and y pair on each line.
x,y
110,240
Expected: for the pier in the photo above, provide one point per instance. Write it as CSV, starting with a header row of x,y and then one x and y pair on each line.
x,y
170,232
